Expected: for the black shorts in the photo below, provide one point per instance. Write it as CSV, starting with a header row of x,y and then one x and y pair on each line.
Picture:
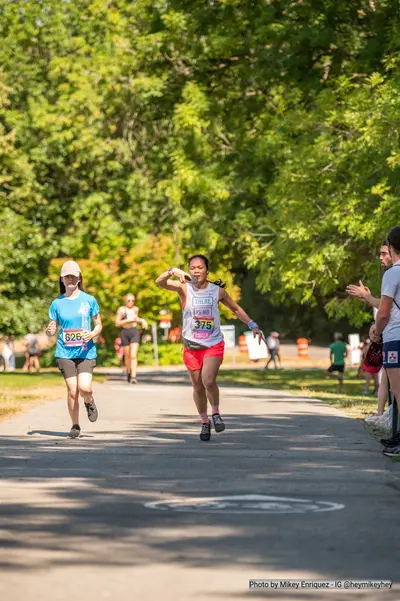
x,y
129,336
335,367
71,368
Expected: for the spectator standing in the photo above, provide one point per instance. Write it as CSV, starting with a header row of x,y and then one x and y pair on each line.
x,y
273,348
32,353
337,353
8,354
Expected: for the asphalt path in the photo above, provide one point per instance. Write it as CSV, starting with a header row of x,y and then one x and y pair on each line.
x,y
140,508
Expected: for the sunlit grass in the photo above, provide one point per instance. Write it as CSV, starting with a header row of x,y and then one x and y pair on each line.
x,y
20,391
310,383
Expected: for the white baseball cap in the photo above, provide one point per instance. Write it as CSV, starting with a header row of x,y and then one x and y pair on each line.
x,y
70,268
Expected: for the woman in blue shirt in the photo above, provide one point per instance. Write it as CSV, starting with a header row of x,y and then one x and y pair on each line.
x,y
76,353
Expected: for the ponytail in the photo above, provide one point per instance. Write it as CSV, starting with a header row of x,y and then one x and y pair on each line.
x,y
218,282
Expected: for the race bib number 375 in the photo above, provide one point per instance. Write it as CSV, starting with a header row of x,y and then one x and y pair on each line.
x,y
73,337
203,327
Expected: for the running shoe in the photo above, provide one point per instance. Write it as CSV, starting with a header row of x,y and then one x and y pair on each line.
x,y
75,431
391,442
373,419
386,418
395,452
128,378
218,423
133,381
92,411
205,433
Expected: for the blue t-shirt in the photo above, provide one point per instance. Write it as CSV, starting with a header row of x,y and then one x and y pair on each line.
x,y
74,316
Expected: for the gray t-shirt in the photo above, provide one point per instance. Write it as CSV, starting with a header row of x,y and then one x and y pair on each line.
x,y
391,288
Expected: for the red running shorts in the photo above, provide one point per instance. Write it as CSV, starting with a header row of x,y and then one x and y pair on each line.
x,y
194,359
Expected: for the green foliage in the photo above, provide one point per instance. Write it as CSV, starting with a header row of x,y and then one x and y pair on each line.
x,y
131,134
168,354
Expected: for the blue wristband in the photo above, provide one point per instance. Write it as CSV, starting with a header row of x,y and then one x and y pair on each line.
x,y
252,325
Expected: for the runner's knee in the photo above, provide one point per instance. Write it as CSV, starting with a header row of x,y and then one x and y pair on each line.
x,y
72,392
198,386
208,381
85,389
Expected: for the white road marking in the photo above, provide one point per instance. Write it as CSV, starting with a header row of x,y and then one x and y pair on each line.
x,y
245,504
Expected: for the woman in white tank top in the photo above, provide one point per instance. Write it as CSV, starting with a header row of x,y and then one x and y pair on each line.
x,y
127,318
201,333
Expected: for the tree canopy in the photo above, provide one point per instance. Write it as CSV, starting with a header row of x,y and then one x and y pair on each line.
x,y
263,133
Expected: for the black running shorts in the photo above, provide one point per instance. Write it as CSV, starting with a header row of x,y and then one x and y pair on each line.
x,y
336,367
129,336
71,368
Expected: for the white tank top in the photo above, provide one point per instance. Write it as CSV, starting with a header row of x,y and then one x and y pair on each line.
x,y
131,314
201,322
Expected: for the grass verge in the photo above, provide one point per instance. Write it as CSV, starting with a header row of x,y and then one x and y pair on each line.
x,y
311,383
20,391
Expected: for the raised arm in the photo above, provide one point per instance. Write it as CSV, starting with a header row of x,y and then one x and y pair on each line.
x,y
164,280
241,314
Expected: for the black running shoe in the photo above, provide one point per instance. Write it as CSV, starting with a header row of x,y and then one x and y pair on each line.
x,y
218,423
392,452
75,431
205,433
92,411
391,442
128,378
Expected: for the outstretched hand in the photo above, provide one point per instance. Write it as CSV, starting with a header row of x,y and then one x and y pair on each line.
x,y
258,332
359,291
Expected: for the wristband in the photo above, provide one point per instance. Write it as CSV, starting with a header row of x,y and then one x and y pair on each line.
x,y
252,325
170,270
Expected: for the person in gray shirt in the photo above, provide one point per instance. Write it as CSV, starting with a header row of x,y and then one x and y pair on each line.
x,y
387,322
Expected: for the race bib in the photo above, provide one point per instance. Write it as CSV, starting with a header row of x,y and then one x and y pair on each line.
x,y
203,326
73,337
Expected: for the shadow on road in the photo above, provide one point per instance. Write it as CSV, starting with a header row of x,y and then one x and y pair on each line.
x,y
88,498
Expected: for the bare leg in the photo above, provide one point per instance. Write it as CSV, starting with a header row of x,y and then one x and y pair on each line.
x,y
199,392
383,392
368,377
85,387
134,353
127,355
73,399
209,374
376,383
340,381
394,378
